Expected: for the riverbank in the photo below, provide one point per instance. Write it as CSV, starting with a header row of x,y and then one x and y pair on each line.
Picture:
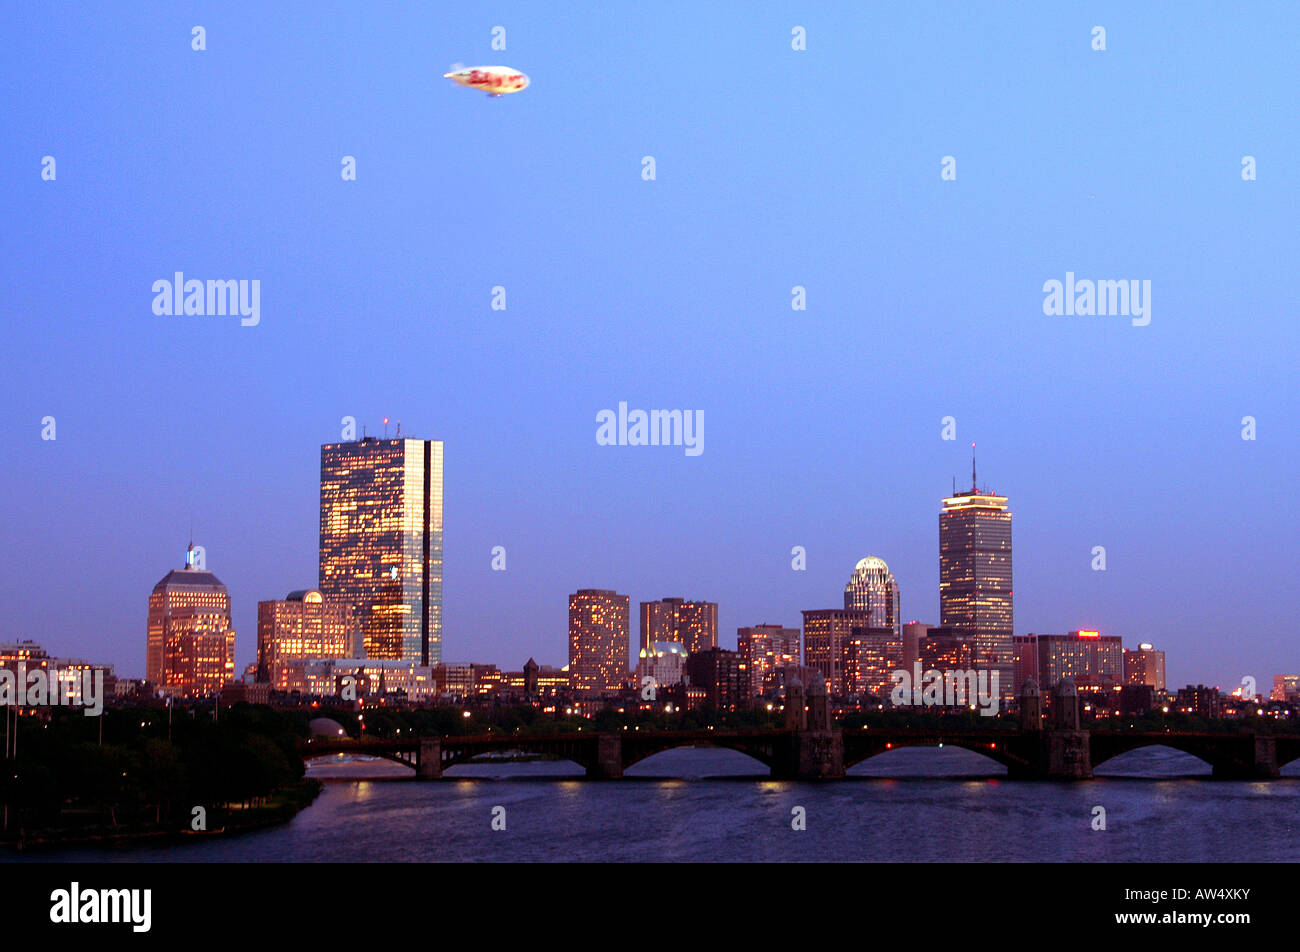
x,y
280,808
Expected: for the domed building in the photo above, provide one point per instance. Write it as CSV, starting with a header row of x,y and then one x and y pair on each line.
x,y
191,642
871,590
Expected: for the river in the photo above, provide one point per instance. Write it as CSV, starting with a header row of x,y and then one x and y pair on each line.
x,y
908,805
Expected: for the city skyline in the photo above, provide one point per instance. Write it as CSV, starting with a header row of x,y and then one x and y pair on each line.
x,y
923,302
869,573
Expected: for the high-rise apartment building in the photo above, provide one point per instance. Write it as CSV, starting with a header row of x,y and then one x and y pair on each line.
x,y
381,542
693,624
304,625
975,595
598,640
190,647
764,651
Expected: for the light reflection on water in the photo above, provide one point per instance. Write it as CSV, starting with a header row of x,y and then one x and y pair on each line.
x,y
707,804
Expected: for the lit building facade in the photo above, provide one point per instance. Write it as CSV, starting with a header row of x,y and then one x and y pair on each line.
x,y
1286,687
1145,665
975,594
304,625
693,624
872,591
825,630
381,536
598,640
764,651
665,663
717,671
871,656
1095,661
370,678
914,633
943,649
190,647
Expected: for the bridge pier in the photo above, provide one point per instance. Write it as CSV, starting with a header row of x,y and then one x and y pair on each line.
x,y
1262,763
608,764
428,759
810,755
1069,755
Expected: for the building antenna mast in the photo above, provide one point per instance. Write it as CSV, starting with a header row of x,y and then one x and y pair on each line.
x,y
973,484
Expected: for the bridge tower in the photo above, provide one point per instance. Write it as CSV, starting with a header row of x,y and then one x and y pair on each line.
x,y
1068,749
1065,706
1031,706
819,704
814,750
796,718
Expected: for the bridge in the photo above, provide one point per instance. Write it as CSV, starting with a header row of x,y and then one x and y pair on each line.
x,y
810,747
827,754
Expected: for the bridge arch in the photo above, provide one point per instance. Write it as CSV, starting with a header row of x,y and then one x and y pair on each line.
x,y
1103,753
856,753
758,759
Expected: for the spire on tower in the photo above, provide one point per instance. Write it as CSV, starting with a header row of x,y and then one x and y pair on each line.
x,y
972,468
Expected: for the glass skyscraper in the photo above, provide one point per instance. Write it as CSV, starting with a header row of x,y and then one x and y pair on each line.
x,y
381,542
975,578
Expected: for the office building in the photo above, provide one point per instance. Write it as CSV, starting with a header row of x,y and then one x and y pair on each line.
x,y
872,591
303,625
975,594
381,542
190,647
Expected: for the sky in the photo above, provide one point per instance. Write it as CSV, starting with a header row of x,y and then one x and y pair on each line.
x,y
775,168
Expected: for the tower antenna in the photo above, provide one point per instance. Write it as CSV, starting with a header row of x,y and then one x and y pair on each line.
x,y
972,468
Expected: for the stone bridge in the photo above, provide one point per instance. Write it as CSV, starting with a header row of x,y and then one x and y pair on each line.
x,y
827,754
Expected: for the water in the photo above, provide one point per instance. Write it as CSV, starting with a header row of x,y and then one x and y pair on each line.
x,y
908,805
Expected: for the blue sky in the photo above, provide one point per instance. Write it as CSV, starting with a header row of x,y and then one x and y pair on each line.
x,y
775,168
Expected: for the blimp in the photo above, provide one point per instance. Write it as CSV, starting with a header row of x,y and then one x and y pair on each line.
x,y
493,80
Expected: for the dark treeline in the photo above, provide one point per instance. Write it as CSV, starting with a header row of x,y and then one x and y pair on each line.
x,y
135,770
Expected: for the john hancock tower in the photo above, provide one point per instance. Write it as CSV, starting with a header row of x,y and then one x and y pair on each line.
x,y
381,542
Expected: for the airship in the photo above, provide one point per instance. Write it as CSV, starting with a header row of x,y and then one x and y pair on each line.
x,y
493,80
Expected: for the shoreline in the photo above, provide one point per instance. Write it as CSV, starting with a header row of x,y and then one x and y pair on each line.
x,y
284,806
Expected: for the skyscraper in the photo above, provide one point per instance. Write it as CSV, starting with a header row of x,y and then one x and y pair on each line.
x,y
693,624
381,542
598,640
871,590
190,647
975,577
